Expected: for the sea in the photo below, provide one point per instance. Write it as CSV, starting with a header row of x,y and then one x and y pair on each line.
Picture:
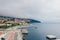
x,y
39,31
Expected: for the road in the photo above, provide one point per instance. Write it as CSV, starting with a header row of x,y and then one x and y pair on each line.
x,y
13,34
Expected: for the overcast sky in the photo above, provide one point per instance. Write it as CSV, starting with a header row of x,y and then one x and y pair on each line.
x,y
44,10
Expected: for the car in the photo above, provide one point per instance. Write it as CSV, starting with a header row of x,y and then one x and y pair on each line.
x,y
2,38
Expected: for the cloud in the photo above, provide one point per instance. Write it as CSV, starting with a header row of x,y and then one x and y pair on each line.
x,y
44,10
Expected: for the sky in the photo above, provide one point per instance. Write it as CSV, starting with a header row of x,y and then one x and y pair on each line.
x,y
42,10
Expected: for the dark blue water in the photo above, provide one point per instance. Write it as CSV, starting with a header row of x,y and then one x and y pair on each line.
x,y
39,31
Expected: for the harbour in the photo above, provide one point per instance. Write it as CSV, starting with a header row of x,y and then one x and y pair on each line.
x,y
33,32
42,30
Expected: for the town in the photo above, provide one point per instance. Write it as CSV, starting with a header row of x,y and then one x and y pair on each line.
x,y
10,28
6,22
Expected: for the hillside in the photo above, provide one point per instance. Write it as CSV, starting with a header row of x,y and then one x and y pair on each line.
x,y
30,20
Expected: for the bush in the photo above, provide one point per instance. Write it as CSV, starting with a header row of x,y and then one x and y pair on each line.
x,y
6,26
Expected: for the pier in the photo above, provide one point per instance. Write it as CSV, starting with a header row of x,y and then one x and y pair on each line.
x,y
24,31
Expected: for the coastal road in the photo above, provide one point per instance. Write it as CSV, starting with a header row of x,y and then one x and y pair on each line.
x,y
11,36
15,36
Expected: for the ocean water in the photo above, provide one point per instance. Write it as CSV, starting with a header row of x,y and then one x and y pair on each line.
x,y
40,31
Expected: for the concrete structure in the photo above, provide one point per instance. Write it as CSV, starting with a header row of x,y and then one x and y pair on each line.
x,y
24,31
51,37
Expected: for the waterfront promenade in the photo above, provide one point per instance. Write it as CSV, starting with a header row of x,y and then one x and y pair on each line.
x,y
12,34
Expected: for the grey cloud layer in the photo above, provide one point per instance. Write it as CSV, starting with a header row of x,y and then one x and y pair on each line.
x,y
45,10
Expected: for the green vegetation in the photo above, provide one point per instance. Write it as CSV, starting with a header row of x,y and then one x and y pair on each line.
x,y
4,26
14,24
8,26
